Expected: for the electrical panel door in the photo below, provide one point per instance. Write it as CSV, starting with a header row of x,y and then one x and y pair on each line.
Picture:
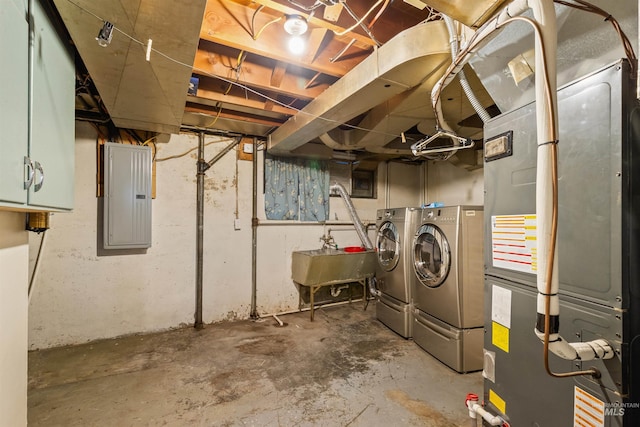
x,y
127,196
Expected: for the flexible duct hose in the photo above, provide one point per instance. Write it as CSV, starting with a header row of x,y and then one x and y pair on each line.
x,y
362,232
360,229
466,87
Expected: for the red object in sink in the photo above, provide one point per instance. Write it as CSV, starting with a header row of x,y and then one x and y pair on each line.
x,y
354,249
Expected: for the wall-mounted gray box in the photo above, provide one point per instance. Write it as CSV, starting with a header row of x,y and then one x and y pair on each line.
x,y
127,196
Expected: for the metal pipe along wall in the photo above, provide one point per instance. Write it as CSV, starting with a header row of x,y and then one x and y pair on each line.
x,y
199,230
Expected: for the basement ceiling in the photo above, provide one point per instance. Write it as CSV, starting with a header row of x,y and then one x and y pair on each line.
x,y
363,79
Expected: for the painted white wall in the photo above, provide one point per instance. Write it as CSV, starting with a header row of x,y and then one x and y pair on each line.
x,y
454,185
14,282
405,181
80,296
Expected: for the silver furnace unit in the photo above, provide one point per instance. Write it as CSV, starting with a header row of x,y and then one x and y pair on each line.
x,y
598,259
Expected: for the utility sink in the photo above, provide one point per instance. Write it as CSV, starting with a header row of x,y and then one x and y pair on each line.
x,y
331,266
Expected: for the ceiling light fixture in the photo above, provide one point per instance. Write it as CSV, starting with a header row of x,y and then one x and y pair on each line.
x,y
295,25
105,34
296,45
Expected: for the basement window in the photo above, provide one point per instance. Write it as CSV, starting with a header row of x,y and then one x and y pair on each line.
x,y
359,183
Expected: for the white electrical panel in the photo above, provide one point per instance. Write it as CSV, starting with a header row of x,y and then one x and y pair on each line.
x,y
127,196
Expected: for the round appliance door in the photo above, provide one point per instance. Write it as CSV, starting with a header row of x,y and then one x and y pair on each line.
x,y
431,255
388,246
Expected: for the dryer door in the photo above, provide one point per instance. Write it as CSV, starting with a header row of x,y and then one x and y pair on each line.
x,y
388,246
431,255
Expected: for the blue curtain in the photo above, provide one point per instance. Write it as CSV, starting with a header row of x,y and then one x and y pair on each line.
x,y
296,189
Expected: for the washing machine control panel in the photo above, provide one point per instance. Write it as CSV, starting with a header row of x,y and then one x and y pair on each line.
x,y
439,216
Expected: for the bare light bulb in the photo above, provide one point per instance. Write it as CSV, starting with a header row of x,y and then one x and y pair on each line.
x,y
295,25
296,45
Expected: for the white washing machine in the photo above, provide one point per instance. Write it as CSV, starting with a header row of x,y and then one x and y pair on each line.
x,y
447,254
394,275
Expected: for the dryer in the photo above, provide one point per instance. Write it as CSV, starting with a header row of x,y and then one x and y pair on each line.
x,y
394,275
447,258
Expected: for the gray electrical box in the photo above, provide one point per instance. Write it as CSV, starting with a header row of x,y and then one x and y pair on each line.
x,y
127,196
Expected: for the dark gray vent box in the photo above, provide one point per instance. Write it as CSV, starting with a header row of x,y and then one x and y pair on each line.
x,y
127,196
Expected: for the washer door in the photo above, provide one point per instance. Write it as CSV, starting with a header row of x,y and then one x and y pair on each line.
x,y
431,255
388,246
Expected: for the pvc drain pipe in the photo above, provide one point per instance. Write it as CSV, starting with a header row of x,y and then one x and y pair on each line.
x,y
475,409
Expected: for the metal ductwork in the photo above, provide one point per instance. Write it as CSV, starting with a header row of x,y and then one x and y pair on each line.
x,y
138,94
505,64
390,90
470,13
415,56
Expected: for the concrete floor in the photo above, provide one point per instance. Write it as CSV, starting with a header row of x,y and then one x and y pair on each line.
x,y
344,369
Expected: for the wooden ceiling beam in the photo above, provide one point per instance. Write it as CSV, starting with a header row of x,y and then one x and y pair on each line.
x,y
228,23
212,98
231,115
315,44
255,75
362,40
278,73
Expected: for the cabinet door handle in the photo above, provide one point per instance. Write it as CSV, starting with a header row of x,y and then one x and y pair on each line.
x,y
30,172
37,166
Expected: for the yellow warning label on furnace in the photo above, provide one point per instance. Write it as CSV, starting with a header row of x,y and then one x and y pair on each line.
x,y
500,336
497,401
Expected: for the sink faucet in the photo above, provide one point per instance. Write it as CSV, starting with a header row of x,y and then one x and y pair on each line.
x,y
328,241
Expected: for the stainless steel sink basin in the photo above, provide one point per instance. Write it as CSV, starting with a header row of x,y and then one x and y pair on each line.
x,y
331,266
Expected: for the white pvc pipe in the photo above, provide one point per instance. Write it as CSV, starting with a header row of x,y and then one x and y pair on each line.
x,y
493,420
547,135
544,13
337,291
476,409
